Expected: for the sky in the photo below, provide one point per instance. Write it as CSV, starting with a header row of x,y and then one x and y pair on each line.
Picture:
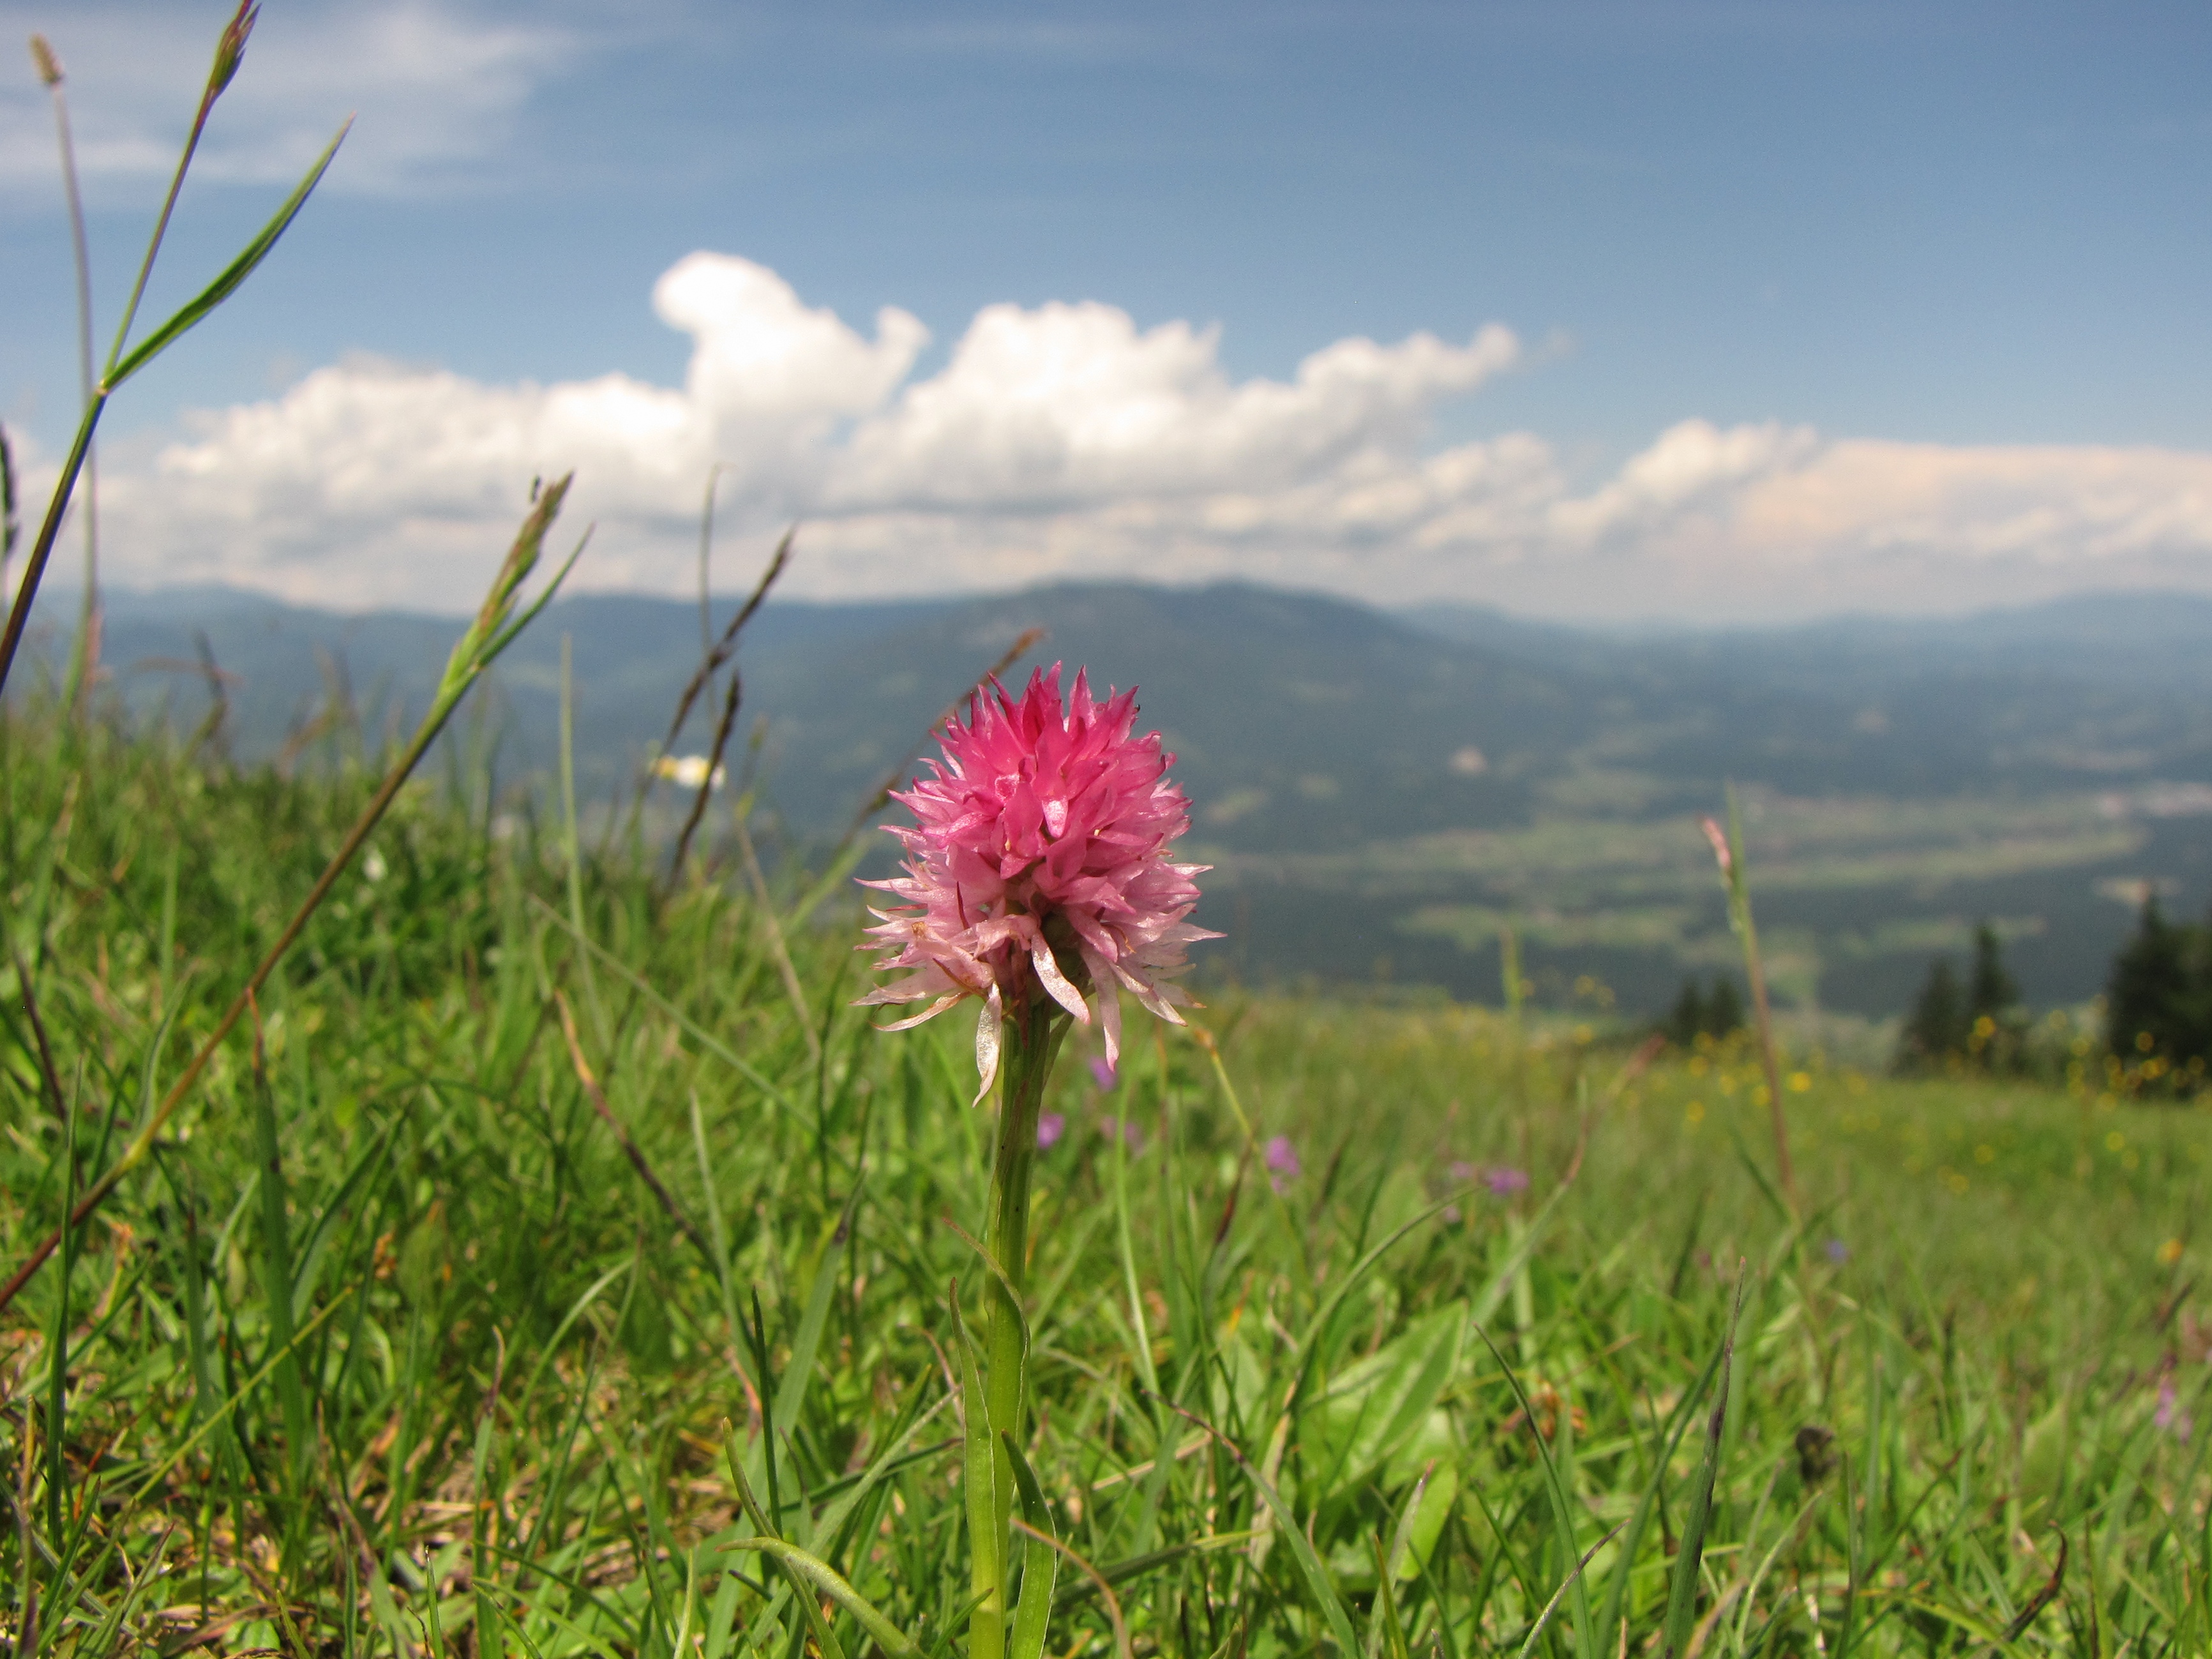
x,y
1617,311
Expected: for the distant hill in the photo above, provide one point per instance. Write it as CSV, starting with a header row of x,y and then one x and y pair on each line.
x,y
1384,793
2142,639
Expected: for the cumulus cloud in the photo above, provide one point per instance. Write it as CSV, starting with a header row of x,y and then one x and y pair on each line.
x,y
1066,441
1062,439
339,461
1693,466
438,86
1780,519
1070,405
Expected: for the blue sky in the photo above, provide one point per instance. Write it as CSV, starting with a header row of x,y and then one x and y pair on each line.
x,y
1811,305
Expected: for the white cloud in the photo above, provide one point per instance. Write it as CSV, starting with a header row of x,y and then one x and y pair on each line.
x,y
1797,525
1065,441
1069,405
438,88
1693,466
2040,505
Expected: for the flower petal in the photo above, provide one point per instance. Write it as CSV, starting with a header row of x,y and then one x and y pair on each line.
x,y
1109,1008
912,1020
986,1044
1063,990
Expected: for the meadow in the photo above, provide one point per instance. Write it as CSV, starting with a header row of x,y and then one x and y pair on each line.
x,y
543,1191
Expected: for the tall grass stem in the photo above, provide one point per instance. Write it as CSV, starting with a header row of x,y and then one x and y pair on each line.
x,y
572,846
230,48
84,656
1728,852
122,367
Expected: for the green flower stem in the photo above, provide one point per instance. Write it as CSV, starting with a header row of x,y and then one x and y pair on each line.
x,y
1032,1036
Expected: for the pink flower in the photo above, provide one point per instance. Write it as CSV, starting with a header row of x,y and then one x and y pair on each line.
x,y
1041,850
1721,854
1050,1126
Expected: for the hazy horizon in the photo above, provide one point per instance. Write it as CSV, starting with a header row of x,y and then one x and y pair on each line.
x,y
60,597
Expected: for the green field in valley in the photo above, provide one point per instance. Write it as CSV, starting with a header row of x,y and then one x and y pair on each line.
x,y
1855,894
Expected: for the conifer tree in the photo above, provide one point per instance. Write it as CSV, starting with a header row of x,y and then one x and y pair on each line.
x,y
1993,994
1996,1030
1688,1018
1938,1026
2158,999
1724,1008
1697,1013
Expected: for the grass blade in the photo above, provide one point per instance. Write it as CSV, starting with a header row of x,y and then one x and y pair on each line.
x,y
1563,1514
1682,1593
1616,1600
195,310
1040,1562
832,1583
1573,1579
1319,1584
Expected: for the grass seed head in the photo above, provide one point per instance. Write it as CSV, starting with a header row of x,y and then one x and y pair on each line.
x,y
230,50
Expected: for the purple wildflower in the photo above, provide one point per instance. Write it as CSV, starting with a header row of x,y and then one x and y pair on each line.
x,y
1504,1180
1050,1126
1282,1161
2169,1417
1132,1132
1102,1070
1838,1251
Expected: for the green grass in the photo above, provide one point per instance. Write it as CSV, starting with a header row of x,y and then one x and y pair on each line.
x,y
392,1348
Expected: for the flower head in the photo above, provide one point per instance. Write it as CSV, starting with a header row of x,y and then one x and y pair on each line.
x,y
1038,860
1282,1160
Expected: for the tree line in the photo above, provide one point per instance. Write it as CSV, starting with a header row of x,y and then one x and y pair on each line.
x,y
2158,1008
